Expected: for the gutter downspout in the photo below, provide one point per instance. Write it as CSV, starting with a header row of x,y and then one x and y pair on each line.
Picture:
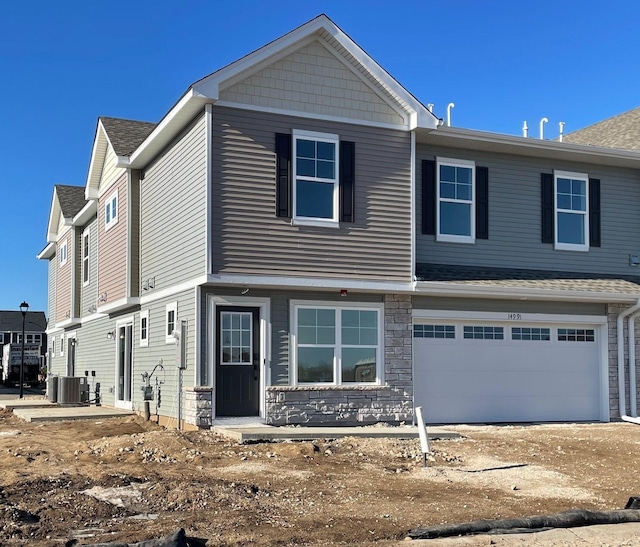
x,y
631,341
622,405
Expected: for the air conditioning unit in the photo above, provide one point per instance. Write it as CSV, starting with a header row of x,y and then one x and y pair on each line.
x,y
70,390
52,388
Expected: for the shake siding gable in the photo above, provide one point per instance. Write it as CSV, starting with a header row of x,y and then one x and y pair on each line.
x,y
112,256
248,238
63,279
173,205
313,80
515,217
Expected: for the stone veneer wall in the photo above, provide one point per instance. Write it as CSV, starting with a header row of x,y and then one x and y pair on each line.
x,y
391,402
613,310
197,406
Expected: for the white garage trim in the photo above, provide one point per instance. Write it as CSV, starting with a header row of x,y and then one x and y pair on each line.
x,y
510,317
516,319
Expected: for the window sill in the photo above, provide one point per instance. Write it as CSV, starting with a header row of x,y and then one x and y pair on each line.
x,y
108,227
318,223
445,238
571,247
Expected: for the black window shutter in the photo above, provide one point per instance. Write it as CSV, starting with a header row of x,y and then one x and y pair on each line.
x,y
283,175
482,203
594,212
428,197
547,208
347,181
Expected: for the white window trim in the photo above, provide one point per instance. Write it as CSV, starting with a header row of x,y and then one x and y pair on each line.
x,y
85,259
109,206
63,253
338,307
62,345
585,215
472,202
144,342
314,221
168,337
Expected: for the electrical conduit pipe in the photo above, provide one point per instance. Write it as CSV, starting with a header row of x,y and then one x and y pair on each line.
x,y
622,404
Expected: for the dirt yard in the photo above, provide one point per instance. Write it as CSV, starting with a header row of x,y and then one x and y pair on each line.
x,y
128,480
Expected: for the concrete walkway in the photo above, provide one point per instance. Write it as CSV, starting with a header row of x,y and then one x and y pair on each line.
x,y
265,433
55,413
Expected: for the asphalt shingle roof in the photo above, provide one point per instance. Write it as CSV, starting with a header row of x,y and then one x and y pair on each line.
x,y
621,131
71,199
11,321
529,279
126,135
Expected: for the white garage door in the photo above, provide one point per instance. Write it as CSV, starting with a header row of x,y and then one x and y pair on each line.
x,y
471,372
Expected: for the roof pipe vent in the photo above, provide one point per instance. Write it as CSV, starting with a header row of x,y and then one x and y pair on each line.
x,y
542,122
449,107
525,130
430,107
561,125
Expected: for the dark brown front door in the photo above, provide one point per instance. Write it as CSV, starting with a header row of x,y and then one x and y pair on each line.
x,y
237,361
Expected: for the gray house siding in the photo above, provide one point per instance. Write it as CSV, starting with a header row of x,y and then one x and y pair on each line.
x,y
90,289
159,351
173,207
248,238
515,218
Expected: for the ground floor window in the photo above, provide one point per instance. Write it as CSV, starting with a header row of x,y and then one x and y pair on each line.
x,y
337,344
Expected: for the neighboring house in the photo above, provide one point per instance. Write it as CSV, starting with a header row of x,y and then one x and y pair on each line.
x,y
300,240
35,326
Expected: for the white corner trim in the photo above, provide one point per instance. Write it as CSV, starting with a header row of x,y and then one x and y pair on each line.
x,y
414,204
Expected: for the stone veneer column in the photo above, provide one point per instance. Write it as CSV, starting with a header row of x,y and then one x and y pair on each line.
x,y
391,402
197,406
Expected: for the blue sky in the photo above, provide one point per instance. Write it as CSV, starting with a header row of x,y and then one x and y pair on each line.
x,y
64,63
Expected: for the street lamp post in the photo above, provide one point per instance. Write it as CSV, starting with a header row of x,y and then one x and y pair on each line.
x,y
24,307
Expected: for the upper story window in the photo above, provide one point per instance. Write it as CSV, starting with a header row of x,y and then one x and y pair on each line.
x,y
85,258
455,200
315,177
337,345
571,211
62,252
111,211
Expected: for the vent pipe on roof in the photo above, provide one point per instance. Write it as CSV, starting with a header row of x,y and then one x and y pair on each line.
x,y
449,107
525,130
561,125
430,107
542,122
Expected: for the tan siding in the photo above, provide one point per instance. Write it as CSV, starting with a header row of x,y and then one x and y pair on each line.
x,y
249,239
77,266
112,255
313,80
174,211
63,279
53,269
110,172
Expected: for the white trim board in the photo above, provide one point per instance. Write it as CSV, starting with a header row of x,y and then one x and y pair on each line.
x,y
510,317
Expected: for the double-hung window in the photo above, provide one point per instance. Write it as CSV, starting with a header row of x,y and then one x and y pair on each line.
x,y
315,178
171,316
456,200
111,211
85,258
337,345
571,211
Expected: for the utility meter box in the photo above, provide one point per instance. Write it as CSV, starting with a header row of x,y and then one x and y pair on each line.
x,y
147,394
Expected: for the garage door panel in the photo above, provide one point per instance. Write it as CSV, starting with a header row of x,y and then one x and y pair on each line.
x,y
487,380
